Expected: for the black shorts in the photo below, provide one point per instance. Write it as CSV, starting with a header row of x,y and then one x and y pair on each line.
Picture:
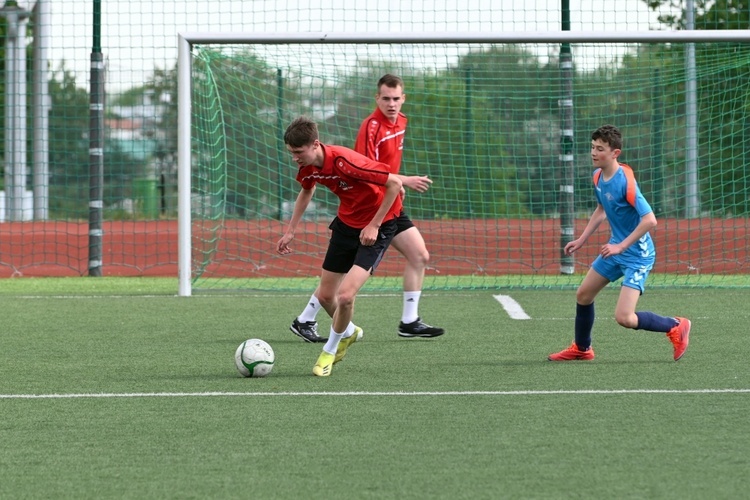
x,y
345,249
403,222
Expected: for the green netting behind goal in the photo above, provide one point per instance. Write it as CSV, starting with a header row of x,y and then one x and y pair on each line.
x,y
485,124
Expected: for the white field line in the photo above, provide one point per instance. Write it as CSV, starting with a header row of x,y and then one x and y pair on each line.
x,y
196,296
371,394
513,308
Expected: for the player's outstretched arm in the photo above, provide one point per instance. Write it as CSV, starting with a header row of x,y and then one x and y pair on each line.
x,y
419,183
300,205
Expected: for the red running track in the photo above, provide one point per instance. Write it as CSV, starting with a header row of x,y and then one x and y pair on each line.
x,y
457,247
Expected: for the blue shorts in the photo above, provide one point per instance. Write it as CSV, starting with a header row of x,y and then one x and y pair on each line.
x,y
615,267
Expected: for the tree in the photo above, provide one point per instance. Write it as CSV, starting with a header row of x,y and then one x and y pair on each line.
x,y
68,145
237,131
156,101
514,104
709,14
723,72
69,122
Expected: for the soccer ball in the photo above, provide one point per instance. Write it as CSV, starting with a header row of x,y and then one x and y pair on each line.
x,y
254,358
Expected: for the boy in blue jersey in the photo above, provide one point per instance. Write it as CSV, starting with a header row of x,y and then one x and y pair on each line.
x,y
629,254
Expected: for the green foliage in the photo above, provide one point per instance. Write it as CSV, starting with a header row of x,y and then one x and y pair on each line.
x,y
130,97
240,101
68,145
486,129
708,15
458,147
723,71
512,102
240,147
163,87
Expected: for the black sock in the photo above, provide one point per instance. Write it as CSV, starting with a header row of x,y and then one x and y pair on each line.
x,y
584,324
654,323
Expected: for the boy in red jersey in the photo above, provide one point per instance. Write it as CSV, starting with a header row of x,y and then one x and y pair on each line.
x,y
381,138
364,227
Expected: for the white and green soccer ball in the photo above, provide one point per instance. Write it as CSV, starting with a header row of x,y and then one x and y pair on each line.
x,y
254,358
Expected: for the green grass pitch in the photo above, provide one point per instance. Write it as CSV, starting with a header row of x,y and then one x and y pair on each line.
x,y
116,388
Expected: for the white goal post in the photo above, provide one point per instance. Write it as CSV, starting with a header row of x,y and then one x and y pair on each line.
x,y
187,40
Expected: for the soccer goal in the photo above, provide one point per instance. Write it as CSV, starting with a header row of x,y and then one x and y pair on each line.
x,y
502,125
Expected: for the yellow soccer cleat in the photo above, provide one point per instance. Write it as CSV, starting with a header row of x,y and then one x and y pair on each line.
x,y
324,365
346,342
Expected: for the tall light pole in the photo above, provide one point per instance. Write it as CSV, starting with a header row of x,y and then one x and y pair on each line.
x,y
40,105
15,108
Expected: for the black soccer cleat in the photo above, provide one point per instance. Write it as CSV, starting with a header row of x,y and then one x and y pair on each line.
x,y
418,328
307,331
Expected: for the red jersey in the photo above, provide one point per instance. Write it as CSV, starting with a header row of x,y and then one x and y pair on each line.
x,y
356,180
383,141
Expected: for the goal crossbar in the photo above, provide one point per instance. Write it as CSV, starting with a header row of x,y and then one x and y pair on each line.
x,y
684,36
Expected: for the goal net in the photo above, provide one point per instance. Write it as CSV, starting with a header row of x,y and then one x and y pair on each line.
x,y
504,131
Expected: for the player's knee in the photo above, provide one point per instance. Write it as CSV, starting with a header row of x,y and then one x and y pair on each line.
x,y
626,320
584,297
326,297
345,299
420,259
327,301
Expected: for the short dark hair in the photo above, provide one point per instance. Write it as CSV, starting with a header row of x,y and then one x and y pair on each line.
x,y
608,134
301,132
390,81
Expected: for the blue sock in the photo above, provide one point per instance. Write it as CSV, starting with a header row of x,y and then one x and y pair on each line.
x,y
584,324
654,323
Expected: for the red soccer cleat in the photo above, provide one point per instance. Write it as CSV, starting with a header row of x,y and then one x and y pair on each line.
x,y
680,337
572,353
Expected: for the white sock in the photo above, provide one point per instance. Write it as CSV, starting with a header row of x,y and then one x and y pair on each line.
x,y
333,342
311,310
349,330
411,307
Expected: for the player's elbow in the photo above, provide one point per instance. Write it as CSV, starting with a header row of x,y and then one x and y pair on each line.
x,y
394,183
650,219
